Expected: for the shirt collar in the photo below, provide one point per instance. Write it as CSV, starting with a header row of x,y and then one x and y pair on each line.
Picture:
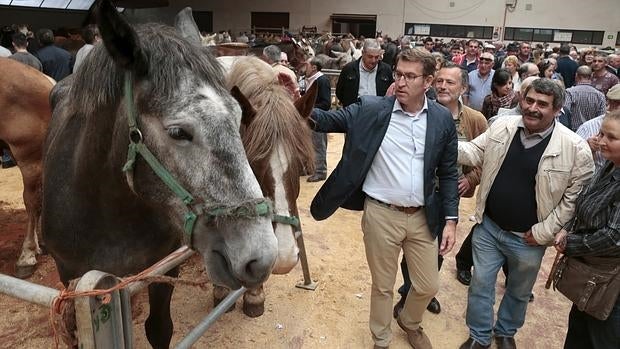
x,y
540,135
398,108
363,68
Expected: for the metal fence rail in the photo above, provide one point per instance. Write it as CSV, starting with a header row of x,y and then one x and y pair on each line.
x,y
109,325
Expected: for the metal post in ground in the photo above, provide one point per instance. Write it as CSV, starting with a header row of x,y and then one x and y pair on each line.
x,y
308,284
204,325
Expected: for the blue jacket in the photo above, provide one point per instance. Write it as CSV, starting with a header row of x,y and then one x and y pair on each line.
x,y
365,124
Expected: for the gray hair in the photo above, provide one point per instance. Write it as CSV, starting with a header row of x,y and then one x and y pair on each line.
x,y
550,88
527,82
272,53
371,44
584,72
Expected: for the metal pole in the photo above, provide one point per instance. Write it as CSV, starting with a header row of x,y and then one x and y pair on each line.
x,y
167,264
204,325
27,291
308,283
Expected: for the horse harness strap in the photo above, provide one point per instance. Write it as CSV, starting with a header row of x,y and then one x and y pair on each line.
x,y
249,209
290,220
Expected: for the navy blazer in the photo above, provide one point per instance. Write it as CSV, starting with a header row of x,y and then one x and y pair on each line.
x,y
365,124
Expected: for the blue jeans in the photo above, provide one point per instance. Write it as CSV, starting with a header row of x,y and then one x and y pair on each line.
x,y
493,246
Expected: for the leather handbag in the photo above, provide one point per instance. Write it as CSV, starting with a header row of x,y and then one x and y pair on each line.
x,y
592,284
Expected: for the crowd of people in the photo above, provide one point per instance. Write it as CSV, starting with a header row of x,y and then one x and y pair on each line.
x,y
535,131
430,127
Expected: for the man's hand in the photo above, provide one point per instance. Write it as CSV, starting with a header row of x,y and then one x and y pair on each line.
x,y
448,238
529,238
464,185
560,241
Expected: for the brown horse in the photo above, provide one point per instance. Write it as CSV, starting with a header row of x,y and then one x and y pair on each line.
x,y
25,113
278,145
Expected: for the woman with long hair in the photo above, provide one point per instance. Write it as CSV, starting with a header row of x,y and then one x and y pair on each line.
x,y
502,95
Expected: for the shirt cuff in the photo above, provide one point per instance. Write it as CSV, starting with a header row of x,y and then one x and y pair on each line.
x,y
574,242
451,218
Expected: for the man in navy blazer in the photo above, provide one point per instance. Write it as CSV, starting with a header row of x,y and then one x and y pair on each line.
x,y
399,166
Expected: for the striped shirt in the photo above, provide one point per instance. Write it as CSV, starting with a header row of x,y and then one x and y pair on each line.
x,y
585,103
595,228
590,129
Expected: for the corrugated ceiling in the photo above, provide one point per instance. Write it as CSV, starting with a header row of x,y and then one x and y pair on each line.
x,y
55,4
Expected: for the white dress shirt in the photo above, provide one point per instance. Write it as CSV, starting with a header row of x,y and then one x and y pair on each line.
x,y
396,175
368,83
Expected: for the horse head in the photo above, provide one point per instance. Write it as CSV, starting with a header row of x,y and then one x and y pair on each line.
x,y
277,142
190,123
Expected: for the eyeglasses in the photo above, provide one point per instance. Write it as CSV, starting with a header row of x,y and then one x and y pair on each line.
x,y
409,77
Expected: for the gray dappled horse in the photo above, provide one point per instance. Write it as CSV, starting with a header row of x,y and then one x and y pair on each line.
x,y
105,208
278,144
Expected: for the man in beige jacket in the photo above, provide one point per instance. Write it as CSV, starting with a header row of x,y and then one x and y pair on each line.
x,y
532,171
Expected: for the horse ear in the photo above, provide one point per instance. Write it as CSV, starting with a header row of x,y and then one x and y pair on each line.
x,y
288,83
184,22
247,111
305,104
120,39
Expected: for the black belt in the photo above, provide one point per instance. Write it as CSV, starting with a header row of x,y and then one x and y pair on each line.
x,y
407,210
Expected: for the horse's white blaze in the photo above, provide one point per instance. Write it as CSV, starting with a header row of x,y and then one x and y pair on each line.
x,y
287,246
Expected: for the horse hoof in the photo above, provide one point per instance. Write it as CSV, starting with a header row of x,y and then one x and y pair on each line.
x,y
24,272
217,301
253,310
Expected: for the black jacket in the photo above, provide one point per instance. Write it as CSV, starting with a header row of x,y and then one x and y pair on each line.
x,y
365,124
324,93
567,68
349,81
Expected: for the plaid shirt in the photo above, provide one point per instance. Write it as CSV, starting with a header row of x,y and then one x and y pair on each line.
x,y
595,228
590,129
585,103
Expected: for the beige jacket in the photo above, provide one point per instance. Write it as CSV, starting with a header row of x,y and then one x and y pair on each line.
x,y
565,166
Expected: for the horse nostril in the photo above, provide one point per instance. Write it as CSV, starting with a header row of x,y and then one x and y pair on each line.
x,y
249,268
256,271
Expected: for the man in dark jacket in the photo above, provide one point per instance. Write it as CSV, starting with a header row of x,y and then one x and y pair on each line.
x,y
323,102
56,62
398,165
367,76
566,66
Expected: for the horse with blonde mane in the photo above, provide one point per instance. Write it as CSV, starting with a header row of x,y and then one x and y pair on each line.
x,y
278,144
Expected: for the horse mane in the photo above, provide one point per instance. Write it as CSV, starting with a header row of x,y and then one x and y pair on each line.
x,y
168,55
97,89
277,121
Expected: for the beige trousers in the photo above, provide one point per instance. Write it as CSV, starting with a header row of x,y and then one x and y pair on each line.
x,y
386,232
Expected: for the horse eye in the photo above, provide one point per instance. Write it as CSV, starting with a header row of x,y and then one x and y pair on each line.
x,y
179,134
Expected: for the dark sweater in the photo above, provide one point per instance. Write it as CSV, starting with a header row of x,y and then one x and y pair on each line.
x,y
511,203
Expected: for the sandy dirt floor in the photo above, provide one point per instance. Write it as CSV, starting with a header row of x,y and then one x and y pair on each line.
x,y
335,315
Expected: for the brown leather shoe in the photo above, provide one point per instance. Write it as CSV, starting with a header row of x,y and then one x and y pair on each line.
x,y
505,342
472,344
417,338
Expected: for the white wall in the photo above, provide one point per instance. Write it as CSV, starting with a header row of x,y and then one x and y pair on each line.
x,y
600,15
